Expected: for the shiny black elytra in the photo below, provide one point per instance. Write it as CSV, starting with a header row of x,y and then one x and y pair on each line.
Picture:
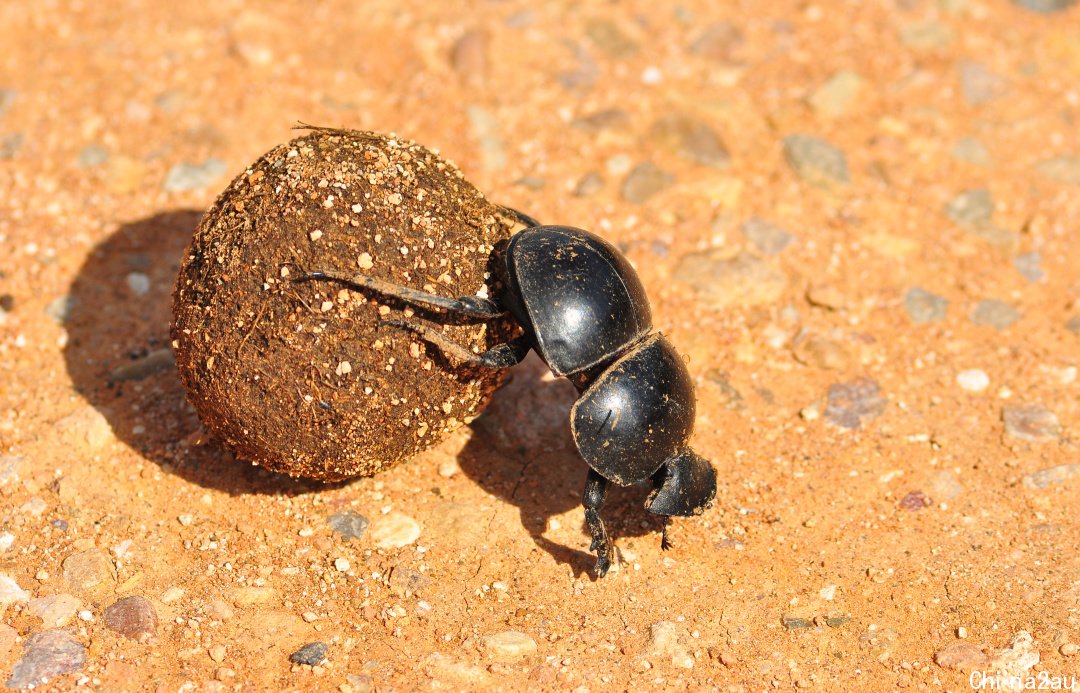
x,y
584,311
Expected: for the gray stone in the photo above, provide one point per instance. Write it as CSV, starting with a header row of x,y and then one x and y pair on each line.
x,y
816,161
92,155
601,120
915,501
990,312
1045,6
1031,422
1029,266
157,361
924,307
721,282
590,184
690,139
720,41
133,617
945,486
407,581
1073,325
469,56
186,176
767,237
925,37
311,654
970,207
972,151
837,95
348,524
978,84
47,655
645,180
852,404
732,398
1063,169
8,635
1051,476
610,39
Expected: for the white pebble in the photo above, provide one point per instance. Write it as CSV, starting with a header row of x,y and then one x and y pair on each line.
x,y
342,564
973,380
139,283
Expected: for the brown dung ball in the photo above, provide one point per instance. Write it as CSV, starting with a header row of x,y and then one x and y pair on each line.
x,y
298,376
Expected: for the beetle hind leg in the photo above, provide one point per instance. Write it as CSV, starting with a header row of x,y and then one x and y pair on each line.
x,y
593,499
684,485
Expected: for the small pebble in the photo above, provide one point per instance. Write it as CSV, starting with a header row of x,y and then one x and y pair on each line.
x,y
8,635
469,56
46,655
89,569
157,361
978,84
1029,265
664,642
342,565
10,145
820,352
837,96
816,161
1063,169
971,207
796,622
133,617
185,176
55,610
645,180
962,656
59,309
924,307
915,500
139,283
394,531
217,653
311,654
720,42
1051,476
1069,649
991,312
945,486
690,139
589,184
1073,325
971,150
7,97
348,524
852,404
973,380
721,281
1045,6
10,592
768,238
508,645
171,595
92,155
1031,422
925,37
485,127
609,38
407,581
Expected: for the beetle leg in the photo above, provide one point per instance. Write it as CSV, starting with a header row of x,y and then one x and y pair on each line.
x,y
595,492
665,540
499,356
471,306
520,217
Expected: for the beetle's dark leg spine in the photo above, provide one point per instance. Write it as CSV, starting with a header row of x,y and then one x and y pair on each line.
x,y
665,540
502,355
471,306
593,499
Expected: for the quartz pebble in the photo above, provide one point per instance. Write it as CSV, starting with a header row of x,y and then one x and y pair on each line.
x,y
978,84
973,380
394,530
407,581
962,656
1051,476
133,617
348,524
991,312
1045,6
186,176
10,592
768,238
311,654
55,610
508,645
46,655
690,139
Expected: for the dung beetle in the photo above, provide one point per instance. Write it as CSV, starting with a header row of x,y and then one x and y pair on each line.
x,y
583,310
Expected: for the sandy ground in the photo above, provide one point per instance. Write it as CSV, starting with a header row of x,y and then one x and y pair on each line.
x,y
857,221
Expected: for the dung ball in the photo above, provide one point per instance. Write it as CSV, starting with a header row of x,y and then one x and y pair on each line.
x,y
301,377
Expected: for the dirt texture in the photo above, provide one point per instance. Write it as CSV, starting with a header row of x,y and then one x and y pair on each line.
x,y
856,220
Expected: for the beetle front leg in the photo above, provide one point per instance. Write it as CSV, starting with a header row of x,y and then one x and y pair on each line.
x,y
499,356
593,499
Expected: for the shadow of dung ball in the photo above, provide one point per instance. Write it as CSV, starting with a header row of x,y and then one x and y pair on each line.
x,y
298,376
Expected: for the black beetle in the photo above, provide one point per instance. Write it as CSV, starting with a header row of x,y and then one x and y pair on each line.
x,y
584,311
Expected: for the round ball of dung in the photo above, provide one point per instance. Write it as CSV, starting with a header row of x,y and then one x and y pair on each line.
x,y
304,377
